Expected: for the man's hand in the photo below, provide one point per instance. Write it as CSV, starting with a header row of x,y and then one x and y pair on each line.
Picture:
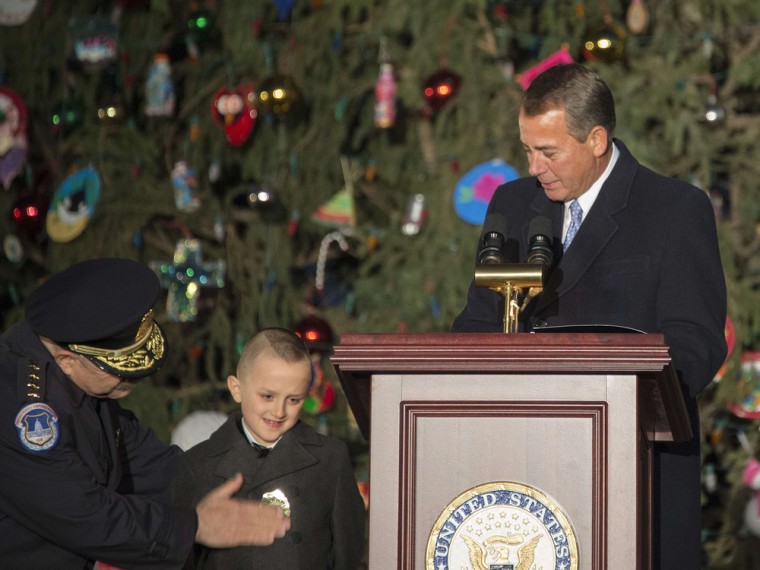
x,y
224,522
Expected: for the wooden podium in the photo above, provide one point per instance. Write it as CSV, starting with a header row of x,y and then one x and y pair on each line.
x,y
573,415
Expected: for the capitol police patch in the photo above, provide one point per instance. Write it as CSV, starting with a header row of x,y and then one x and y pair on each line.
x,y
37,427
502,526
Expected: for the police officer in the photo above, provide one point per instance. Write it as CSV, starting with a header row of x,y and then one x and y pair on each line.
x,y
81,483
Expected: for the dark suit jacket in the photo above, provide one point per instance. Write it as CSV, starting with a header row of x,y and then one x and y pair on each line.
x,y
646,256
314,472
100,493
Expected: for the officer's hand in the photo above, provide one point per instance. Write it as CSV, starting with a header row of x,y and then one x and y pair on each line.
x,y
224,522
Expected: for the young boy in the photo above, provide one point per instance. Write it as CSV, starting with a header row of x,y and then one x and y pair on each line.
x,y
283,461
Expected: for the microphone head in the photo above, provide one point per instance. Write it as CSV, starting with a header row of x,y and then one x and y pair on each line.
x,y
494,230
540,225
495,223
539,241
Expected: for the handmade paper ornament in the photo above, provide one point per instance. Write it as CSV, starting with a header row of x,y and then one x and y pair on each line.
x,y
15,12
385,97
474,190
185,185
94,41
280,99
184,278
159,88
321,396
29,212
234,109
605,42
13,249
73,205
558,57
13,138
439,89
747,405
337,212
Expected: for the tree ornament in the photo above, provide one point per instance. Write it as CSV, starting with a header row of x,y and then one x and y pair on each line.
x,y
280,99
605,42
439,89
385,97
337,212
185,185
730,333
15,12
557,58
747,405
415,215
13,248
94,41
474,190
159,88
714,113
321,395
637,17
13,138
73,205
185,276
196,427
234,110
316,333
283,8
751,478
29,212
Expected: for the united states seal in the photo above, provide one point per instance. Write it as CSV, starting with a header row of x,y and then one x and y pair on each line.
x,y
502,525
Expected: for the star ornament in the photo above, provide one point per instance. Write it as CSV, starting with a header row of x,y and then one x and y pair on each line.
x,y
184,278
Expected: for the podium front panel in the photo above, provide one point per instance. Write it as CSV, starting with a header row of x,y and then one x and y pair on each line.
x,y
572,437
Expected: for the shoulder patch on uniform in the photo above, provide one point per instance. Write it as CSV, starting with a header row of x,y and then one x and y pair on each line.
x,y
37,427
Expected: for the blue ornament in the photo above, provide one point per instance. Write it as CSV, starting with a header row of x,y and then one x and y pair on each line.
x,y
474,190
283,8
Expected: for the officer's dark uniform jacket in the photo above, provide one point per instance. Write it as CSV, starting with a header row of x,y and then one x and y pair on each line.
x,y
93,493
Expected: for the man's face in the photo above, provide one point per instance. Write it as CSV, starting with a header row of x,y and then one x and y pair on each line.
x,y
271,395
92,380
565,167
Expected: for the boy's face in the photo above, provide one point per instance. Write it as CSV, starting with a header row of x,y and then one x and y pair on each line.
x,y
271,395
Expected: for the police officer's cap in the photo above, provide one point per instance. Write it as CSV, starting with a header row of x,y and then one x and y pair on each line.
x,y
102,309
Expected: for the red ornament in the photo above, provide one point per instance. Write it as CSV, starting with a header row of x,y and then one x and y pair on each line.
x,y
29,213
316,333
440,88
234,109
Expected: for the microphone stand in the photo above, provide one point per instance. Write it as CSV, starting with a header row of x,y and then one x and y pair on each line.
x,y
509,280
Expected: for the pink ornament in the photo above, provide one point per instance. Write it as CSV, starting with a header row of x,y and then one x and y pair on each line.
x,y
13,141
559,57
385,97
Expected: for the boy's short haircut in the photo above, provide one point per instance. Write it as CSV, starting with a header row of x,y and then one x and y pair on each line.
x,y
286,344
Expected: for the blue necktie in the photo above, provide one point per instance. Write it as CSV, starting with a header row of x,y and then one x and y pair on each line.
x,y
576,216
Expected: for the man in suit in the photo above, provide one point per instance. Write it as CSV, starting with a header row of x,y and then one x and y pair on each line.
x,y
82,484
307,474
630,248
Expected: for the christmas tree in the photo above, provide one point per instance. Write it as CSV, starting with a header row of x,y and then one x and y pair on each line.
x,y
324,165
